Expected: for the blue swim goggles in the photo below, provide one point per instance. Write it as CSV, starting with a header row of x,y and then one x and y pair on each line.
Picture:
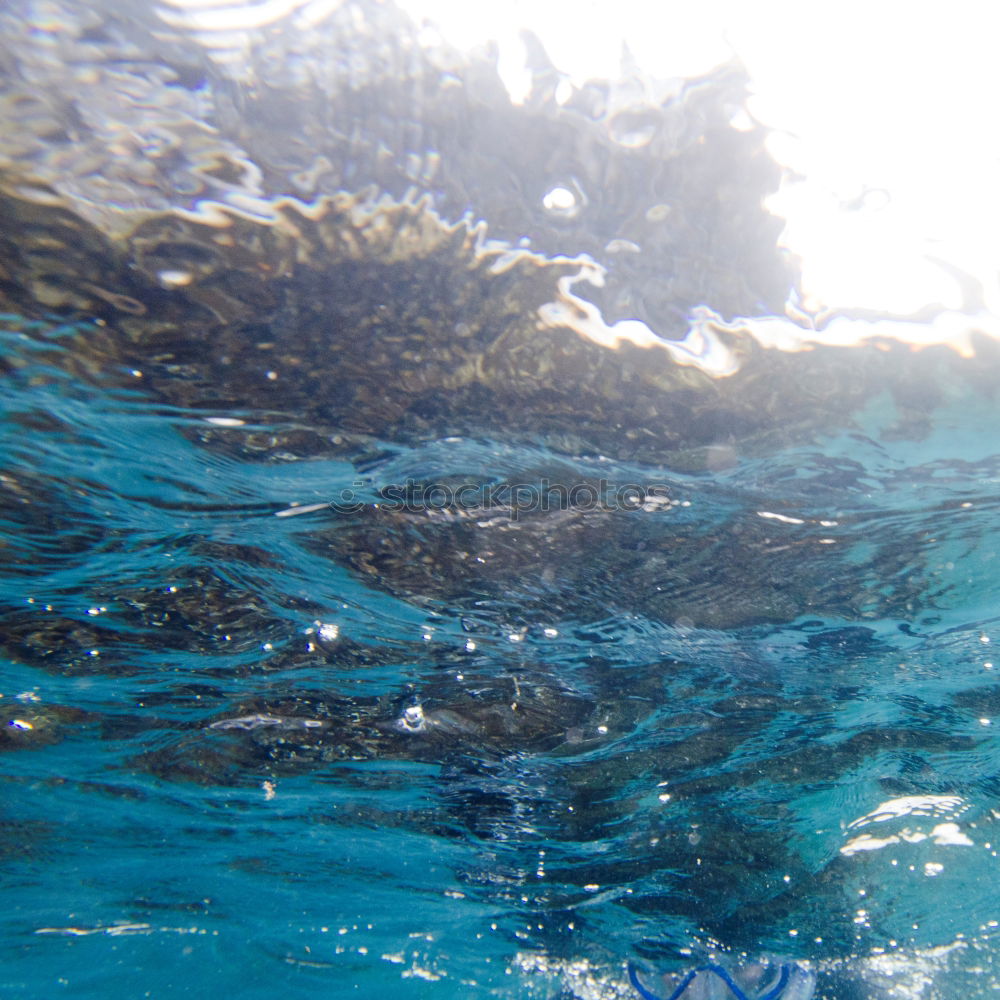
x,y
787,981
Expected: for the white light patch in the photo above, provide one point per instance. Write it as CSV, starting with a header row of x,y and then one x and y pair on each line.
x,y
944,835
174,279
560,199
950,834
912,805
225,421
779,517
513,69
295,511
890,151
895,151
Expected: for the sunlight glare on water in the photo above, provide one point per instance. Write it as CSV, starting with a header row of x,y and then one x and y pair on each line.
x,y
876,112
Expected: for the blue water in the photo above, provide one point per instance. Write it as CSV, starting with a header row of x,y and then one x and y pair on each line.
x,y
232,761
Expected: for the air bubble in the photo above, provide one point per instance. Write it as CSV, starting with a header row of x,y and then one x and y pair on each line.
x,y
413,719
563,201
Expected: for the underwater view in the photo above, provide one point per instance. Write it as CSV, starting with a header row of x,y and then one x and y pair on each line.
x,y
449,549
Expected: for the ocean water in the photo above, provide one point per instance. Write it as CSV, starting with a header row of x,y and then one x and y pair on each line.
x,y
378,616
231,763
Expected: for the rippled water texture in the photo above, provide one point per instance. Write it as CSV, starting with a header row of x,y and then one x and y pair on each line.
x,y
423,570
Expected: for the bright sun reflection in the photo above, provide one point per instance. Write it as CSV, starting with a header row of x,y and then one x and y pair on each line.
x,y
882,114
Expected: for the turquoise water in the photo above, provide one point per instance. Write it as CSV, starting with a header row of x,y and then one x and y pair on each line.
x,y
235,761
